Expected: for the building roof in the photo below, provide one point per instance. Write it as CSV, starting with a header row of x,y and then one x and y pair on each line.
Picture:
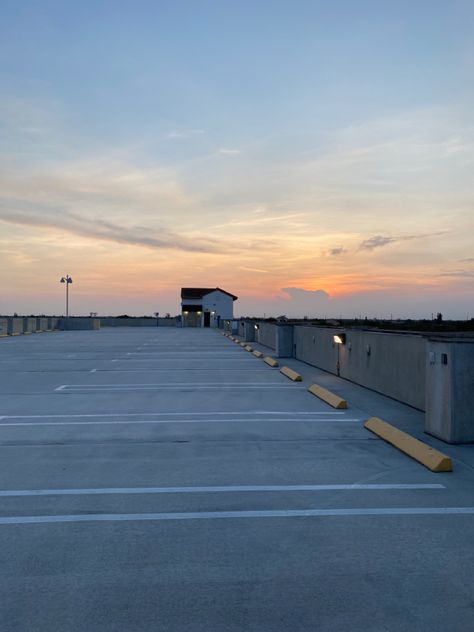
x,y
192,293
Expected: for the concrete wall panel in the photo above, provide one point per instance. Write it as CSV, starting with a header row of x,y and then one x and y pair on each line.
x,y
29,325
15,326
449,386
266,335
78,323
392,364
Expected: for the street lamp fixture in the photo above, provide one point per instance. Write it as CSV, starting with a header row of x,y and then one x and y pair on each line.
x,y
67,280
340,339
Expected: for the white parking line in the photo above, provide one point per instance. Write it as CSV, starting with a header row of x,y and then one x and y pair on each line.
x,y
209,515
219,489
211,384
148,370
171,421
157,414
246,358
159,387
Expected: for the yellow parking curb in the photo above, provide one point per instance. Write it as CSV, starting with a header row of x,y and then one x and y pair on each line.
x,y
258,354
330,398
271,361
248,348
293,375
429,457
243,344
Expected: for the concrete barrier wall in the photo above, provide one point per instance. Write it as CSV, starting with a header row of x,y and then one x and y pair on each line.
x,y
29,325
15,326
266,335
76,323
3,327
137,322
392,364
41,324
449,383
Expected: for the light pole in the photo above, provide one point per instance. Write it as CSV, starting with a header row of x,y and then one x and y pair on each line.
x,y
67,280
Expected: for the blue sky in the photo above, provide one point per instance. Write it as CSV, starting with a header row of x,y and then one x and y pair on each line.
x,y
257,145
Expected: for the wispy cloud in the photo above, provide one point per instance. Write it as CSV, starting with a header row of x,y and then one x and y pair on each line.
x,y
335,252
229,152
378,241
185,133
108,231
259,270
458,274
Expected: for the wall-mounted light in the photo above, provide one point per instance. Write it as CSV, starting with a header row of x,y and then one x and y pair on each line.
x,y
339,339
256,327
212,313
185,313
199,313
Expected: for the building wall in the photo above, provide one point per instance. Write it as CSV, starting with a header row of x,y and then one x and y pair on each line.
x,y
218,302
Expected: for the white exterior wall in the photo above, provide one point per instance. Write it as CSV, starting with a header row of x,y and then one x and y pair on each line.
x,y
220,303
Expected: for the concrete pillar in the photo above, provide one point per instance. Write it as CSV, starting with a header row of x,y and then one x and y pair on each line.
x,y
449,387
29,324
3,326
15,326
284,341
249,331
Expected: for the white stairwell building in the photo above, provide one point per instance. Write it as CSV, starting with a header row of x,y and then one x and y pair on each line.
x,y
206,307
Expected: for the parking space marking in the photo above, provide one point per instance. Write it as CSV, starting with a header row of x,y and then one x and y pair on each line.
x,y
254,413
218,489
209,515
171,421
148,370
68,389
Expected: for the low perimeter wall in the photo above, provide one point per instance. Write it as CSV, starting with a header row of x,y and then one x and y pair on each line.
x,y
137,322
266,334
3,326
15,326
77,323
393,364
29,325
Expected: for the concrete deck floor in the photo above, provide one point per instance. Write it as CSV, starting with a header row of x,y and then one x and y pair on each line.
x,y
109,444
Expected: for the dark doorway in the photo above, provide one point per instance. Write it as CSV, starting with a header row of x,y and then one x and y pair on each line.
x,y
207,319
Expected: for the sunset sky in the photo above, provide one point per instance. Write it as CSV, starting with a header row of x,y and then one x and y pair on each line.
x,y
313,157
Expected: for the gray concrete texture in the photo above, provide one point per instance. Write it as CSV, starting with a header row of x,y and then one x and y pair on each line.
x,y
79,323
266,335
15,326
137,322
449,388
169,480
392,364
3,326
29,325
